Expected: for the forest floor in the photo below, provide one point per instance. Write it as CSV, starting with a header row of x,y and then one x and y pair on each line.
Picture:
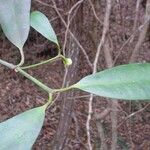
x,y
17,94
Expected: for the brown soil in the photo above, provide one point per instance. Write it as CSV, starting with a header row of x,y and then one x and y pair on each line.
x,y
17,94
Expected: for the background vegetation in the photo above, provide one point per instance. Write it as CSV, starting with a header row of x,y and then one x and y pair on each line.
x,y
96,34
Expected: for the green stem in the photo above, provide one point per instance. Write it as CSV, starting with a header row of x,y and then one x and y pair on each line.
x,y
22,58
9,65
59,50
34,80
49,100
63,89
59,56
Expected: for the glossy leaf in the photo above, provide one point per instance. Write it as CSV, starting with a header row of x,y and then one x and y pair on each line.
x,y
130,82
41,24
21,131
15,20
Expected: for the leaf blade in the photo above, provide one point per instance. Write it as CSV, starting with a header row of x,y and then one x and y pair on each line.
x,y
129,82
41,24
15,20
21,131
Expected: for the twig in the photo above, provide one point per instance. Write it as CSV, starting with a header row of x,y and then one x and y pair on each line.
x,y
142,33
101,132
47,5
121,49
133,114
114,103
69,76
69,19
90,111
114,121
65,42
77,130
129,41
105,29
136,18
94,12
107,54
72,35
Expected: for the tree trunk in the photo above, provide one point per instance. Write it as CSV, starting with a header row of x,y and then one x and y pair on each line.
x,y
71,76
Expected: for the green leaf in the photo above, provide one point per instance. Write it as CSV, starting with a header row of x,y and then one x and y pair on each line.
x,y
15,20
21,131
130,82
41,24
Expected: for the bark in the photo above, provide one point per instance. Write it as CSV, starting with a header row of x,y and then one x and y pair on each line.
x,y
71,76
